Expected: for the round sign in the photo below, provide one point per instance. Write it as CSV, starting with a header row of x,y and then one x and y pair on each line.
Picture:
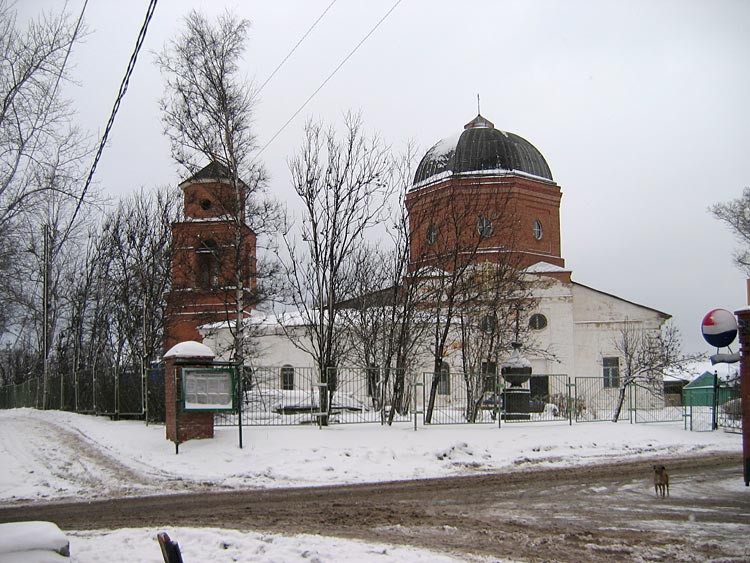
x,y
719,328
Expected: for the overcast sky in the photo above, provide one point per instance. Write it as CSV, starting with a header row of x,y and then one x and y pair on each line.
x,y
639,107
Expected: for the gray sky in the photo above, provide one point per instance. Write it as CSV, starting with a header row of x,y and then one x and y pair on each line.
x,y
640,108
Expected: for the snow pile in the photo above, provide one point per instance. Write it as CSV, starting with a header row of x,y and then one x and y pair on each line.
x,y
226,546
40,542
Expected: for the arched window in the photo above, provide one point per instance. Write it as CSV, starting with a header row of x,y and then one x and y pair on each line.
x,y
538,231
287,377
444,380
207,275
484,227
431,234
373,380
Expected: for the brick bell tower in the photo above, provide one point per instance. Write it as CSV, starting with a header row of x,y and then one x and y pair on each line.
x,y
206,255
210,247
487,191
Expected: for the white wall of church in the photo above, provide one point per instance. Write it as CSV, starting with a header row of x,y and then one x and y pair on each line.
x,y
598,319
582,326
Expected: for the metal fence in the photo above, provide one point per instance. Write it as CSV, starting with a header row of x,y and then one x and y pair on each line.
x,y
274,396
713,408
288,396
597,399
459,398
115,392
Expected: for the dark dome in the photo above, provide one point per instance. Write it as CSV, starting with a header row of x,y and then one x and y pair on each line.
x,y
481,147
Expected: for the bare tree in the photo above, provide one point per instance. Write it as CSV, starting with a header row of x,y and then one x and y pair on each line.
x,y
137,247
41,158
383,317
343,185
647,355
35,122
495,299
736,214
207,112
459,222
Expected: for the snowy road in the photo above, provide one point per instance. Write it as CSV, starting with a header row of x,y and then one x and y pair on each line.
x,y
64,462
598,514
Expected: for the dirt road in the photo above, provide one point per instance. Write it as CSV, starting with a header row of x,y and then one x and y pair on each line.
x,y
602,513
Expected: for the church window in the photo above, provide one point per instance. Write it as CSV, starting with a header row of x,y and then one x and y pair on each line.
x,y
287,378
205,204
538,231
431,234
487,323
373,379
444,379
208,265
611,372
484,227
537,321
489,377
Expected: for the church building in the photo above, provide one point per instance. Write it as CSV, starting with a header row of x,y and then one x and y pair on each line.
x,y
490,194
482,197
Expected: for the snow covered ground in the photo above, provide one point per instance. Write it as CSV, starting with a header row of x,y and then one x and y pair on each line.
x,y
55,455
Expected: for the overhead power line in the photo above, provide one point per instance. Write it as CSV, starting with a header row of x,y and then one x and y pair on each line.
x,y
295,47
120,95
331,75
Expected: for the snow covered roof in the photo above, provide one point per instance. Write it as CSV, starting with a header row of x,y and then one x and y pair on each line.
x,y
545,268
263,319
190,349
213,172
430,272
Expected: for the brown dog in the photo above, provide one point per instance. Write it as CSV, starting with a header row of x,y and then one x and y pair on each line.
x,y
661,481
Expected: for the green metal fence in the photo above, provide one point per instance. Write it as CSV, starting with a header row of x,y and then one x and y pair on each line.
x,y
118,392
712,407
288,396
459,398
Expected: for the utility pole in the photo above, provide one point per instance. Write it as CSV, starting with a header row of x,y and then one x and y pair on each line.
x,y
45,313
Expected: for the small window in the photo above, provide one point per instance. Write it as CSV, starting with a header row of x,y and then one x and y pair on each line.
x,y
206,204
537,321
489,377
444,380
487,323
287,378
611,372
431,234
484,227
538,231
373,380
208,265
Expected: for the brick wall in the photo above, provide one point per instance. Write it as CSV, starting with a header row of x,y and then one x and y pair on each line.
x,y
512,203
182,426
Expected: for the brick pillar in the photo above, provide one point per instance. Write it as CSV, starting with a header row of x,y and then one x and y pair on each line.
x,y
743,322
182,426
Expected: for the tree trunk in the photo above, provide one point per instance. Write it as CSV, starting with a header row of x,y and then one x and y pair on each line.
x,y
620,401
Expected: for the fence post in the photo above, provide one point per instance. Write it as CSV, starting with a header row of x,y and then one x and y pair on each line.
x,y
715,403
117,392
571,386
239,385
416,410
631,403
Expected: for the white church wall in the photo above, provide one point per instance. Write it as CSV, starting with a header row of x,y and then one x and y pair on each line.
x,y
598,320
